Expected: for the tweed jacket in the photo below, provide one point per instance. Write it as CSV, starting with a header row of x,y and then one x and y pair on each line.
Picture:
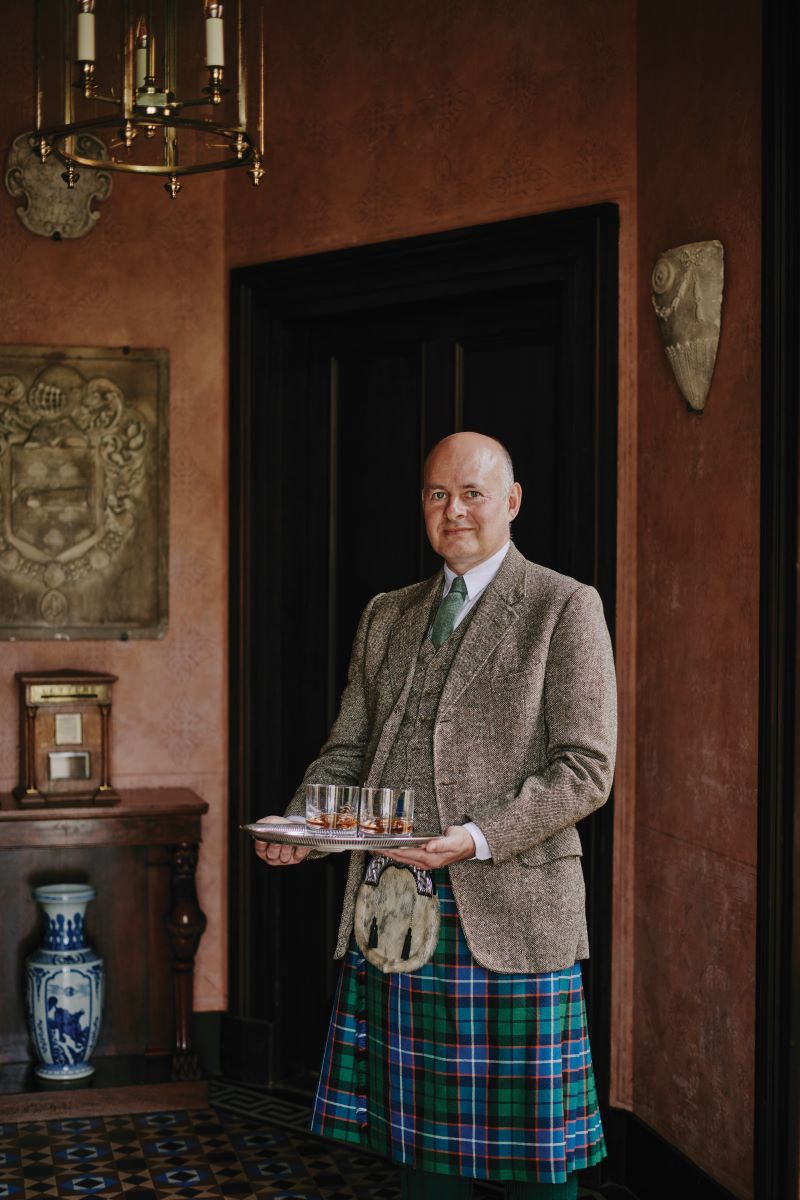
x,y
523,745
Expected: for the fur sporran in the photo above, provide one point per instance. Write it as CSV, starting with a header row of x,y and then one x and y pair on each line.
x,y
397,916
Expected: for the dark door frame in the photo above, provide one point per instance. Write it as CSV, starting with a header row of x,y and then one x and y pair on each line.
x,y
576,250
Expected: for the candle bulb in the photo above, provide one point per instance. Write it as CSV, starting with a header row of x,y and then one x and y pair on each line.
x,y
215,46
261,83
85,31
142,53
241,70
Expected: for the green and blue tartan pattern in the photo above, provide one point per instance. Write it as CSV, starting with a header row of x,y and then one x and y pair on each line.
x,y
458,1070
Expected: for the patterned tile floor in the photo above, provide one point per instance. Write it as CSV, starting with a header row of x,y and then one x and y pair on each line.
x,y
249,1144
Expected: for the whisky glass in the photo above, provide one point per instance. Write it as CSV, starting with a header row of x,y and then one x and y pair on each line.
x,y
347,803
321,805
376,810
403,811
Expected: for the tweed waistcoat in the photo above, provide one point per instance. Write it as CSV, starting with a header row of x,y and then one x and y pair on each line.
x,y
410,760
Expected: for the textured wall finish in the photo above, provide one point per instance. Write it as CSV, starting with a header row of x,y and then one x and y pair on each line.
x,y
150,275
387,120
698,599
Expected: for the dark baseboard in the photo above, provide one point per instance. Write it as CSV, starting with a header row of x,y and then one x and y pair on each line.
x,y
246,1049
207,1037
644,1166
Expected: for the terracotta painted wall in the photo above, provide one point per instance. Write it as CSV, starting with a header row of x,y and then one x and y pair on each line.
x,y
151,274
698,553
385,121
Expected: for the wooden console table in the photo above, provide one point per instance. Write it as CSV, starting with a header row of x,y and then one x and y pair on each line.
x,y
141,855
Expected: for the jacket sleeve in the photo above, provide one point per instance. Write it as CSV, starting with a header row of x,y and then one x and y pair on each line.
x,y
341,759
580,715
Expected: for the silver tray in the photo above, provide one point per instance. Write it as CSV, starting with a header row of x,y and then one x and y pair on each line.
x,y
293,833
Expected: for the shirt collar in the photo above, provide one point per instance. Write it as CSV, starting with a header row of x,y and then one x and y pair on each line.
x,y
477,578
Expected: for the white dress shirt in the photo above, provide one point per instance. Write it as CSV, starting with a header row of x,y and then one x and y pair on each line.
x,y
477,580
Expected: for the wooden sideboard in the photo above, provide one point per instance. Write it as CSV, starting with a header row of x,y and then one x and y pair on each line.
x,y
141,856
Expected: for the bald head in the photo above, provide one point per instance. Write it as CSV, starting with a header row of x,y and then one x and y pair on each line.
x,y
469,498
476,443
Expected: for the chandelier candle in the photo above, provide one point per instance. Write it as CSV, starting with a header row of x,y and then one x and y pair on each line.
x,y
215,43
86,49
142,55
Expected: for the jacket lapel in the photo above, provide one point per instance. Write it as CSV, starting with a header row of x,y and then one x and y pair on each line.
x,y
495,614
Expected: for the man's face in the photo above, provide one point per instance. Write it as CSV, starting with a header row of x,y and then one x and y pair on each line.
x,y
466,501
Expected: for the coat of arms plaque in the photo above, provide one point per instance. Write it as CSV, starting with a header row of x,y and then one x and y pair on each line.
x,y
83,492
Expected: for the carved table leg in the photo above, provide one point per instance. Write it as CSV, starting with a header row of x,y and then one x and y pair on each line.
x,y
185,924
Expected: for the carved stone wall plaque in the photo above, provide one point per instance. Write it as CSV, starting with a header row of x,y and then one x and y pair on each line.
x,y
84,471
52,209
687,297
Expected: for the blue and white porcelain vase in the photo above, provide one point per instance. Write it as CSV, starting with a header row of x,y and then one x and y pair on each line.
x,y
64,985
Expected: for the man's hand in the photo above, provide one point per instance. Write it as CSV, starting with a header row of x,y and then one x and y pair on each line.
x,y
454,845
276,855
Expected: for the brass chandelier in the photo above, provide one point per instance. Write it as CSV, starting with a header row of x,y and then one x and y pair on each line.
x,y
150,87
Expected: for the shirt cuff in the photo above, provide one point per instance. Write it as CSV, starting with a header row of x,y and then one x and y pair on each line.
x,y
482,851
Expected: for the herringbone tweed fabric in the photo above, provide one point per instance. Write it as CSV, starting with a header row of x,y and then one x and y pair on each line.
x,y
458,1070
523,744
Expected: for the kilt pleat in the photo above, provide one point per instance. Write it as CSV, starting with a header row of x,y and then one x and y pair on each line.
x,y
459,1070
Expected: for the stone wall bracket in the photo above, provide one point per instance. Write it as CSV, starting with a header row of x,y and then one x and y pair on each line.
x,y
52,209
687,286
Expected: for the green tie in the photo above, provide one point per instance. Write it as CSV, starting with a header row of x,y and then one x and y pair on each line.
x,y
449,608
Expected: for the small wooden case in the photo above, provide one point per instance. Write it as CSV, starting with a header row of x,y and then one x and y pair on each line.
x,y
64,744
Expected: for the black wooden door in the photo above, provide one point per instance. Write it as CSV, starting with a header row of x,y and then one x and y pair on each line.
x,y
340,399
389,386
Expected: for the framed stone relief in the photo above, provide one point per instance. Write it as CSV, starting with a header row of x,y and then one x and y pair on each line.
x,y
84,501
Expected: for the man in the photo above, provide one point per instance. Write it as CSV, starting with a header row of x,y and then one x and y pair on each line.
x,y
489,690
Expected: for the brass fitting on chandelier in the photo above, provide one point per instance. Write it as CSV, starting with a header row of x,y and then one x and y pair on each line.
x,y
220,129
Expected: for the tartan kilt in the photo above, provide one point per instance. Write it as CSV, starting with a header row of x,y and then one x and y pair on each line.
x,y
459,1070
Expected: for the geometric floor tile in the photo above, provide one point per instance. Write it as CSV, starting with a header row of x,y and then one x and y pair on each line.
x,y
251,1145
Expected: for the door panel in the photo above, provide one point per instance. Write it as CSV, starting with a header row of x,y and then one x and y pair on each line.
x,y
375,430
397,383
524,416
